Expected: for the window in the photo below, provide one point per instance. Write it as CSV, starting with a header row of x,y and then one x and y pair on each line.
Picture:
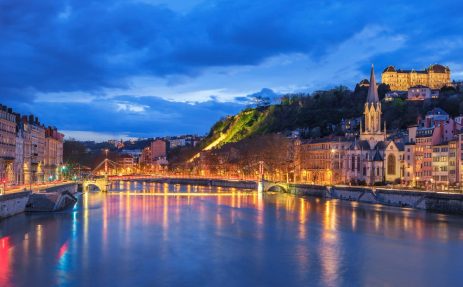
x,y
391,164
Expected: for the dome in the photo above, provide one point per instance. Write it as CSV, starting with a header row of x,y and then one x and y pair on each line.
x,y
437,68
389,69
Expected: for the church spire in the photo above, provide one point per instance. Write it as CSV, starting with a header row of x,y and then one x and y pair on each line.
x,y
372,91
372,132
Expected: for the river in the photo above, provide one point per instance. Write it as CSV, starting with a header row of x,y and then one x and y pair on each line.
x,y
171,235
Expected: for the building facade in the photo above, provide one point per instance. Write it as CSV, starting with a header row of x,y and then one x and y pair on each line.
x,y
19,156
25,149
158,149
126,164
7,144
419,93
321,161
53,154
434,77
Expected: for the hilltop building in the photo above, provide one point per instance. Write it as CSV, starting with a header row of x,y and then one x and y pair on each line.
x,y
435,77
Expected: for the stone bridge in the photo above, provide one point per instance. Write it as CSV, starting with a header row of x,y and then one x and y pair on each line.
x,y
265,186
100,184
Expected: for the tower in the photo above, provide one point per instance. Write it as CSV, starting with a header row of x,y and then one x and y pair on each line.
x,y
371,131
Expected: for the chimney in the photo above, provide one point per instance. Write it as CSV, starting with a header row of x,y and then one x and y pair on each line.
x,y
428,122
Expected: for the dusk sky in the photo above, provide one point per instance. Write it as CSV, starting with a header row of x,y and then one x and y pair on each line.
x,y
145,68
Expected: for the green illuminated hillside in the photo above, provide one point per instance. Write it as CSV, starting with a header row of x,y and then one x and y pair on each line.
x,y
320,113
236,128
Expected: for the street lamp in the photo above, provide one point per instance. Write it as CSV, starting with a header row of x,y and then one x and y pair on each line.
x,y
63,171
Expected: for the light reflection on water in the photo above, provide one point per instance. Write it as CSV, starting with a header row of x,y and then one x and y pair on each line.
x,y
163,235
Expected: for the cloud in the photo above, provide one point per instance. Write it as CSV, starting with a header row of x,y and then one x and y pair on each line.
x,y
131,116
94,136
128,107
180,62
87,46
265,93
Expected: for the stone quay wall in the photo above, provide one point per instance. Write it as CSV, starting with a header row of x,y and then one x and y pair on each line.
x,y
451,203
69,187
11,204
53,198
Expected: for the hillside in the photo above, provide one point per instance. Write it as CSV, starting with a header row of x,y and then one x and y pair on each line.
x,y
320,114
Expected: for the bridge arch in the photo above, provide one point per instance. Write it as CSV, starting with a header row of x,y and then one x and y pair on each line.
x,y
278,188
267,186
91,185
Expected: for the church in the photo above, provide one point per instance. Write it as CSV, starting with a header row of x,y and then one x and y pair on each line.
x,y
371,158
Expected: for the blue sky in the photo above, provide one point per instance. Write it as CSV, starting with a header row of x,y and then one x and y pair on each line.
x,y
142,68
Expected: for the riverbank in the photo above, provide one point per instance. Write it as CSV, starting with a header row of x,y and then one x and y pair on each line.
x,y
426,200
47,198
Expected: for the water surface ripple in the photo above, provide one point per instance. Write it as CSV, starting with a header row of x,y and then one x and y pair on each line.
x,y
171,235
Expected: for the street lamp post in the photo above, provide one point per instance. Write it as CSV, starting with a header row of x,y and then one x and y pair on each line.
x,y
106,164
30,168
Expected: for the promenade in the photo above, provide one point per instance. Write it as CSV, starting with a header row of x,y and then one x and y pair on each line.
x,y
33,187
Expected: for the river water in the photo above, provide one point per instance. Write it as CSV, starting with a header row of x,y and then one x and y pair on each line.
x,y
170,235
